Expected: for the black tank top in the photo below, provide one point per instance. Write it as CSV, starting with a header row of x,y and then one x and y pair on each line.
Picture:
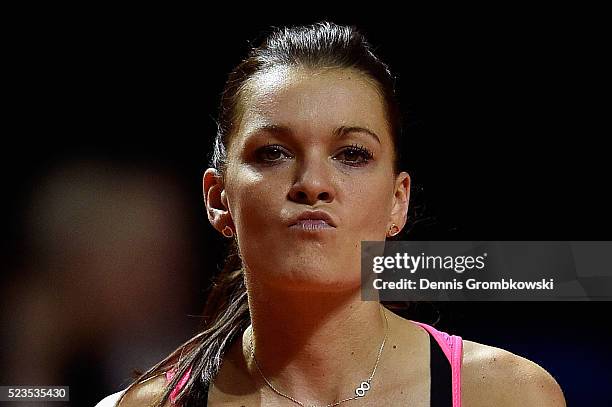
x,y
441,377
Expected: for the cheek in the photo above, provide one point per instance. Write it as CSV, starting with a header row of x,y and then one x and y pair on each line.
x,y
368,205
255,200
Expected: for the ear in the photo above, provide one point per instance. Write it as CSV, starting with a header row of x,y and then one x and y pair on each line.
x,y
215,199
401,198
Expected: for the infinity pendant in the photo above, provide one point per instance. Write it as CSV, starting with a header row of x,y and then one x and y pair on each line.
x,y
363,389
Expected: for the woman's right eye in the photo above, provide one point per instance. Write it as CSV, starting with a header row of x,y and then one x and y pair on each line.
x,y
271,154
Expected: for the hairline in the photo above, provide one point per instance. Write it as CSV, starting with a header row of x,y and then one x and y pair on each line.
x,y
244,87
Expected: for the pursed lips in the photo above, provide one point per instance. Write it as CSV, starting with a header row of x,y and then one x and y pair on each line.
x,y
312,224
313,220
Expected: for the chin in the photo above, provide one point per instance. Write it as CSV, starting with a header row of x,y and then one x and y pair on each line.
x,y
309,278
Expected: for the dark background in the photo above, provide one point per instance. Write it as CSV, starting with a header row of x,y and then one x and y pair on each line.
x,y
503,118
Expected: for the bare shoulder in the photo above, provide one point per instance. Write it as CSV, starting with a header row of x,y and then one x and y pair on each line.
x,y
494,376
144,394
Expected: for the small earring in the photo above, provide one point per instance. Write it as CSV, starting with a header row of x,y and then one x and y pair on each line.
x,y
395,228
227,232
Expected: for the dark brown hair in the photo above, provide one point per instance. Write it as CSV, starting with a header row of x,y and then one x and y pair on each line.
x,y
226,315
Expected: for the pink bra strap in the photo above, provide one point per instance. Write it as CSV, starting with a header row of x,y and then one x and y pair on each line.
x,y
452,346
169,375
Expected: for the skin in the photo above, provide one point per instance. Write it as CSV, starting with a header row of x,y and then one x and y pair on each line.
x,y
313,171
318,282
308,323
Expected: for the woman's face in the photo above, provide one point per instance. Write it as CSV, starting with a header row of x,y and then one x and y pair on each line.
x,y
311,140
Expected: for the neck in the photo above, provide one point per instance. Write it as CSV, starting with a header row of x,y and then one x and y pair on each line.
x,y
315,347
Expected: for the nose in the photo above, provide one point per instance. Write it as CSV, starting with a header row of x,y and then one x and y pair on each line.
x,y
313,183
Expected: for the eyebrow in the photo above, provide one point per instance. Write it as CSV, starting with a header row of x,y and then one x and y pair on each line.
x,y
343,131
339,133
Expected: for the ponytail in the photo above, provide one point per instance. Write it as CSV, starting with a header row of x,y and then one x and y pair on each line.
x,y
226,315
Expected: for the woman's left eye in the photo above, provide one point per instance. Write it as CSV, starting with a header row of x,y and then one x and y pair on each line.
x,y
356,155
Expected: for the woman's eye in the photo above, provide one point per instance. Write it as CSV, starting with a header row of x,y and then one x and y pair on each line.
x,y
356,155
270,154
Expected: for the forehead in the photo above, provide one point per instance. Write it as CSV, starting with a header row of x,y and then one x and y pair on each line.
x,y
311,102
